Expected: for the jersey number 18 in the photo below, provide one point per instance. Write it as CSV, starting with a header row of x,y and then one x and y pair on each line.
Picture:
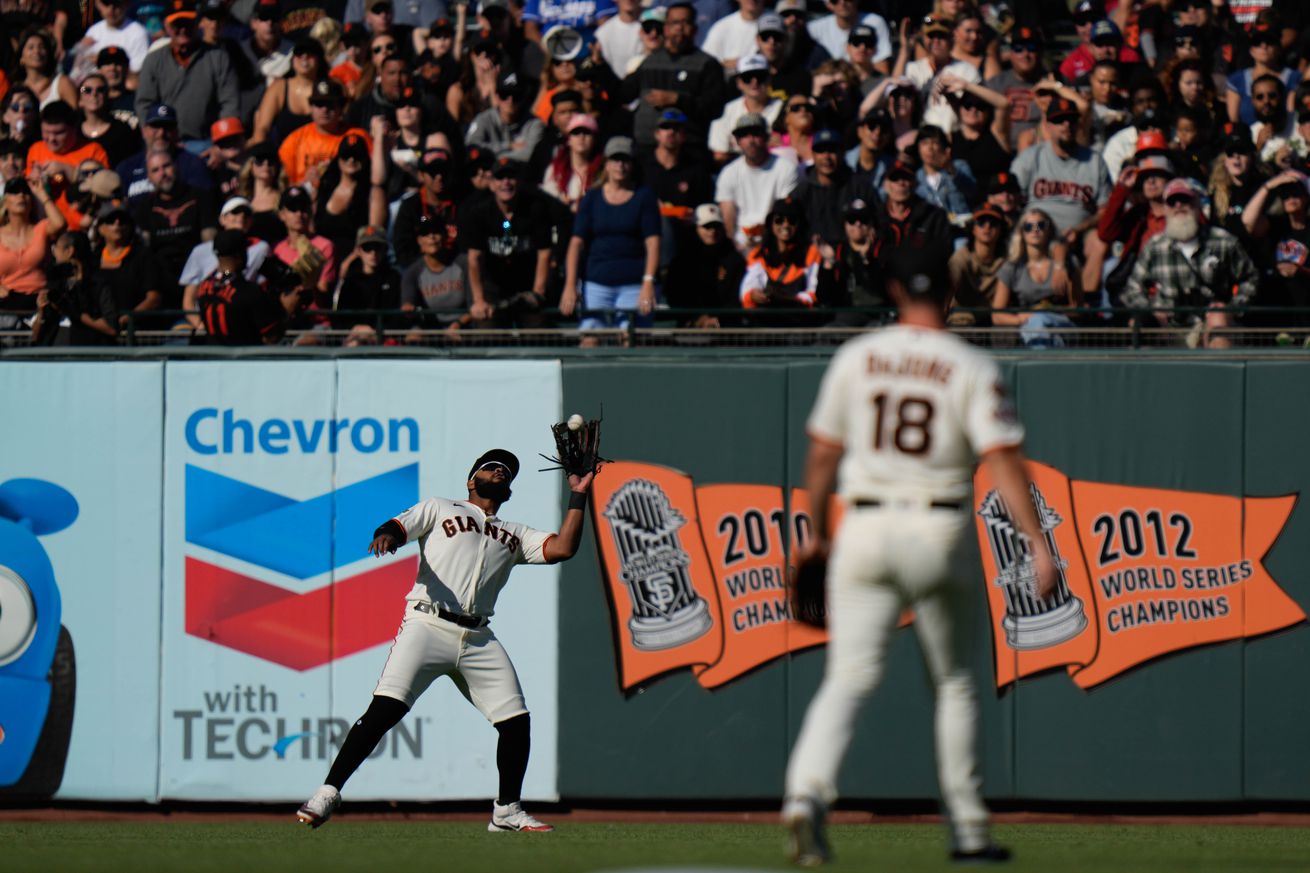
x,y
910,429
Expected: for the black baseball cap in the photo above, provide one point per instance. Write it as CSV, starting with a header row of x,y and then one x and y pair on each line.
x,y
1237,139
112,55
877,118
409,96
1062,108
327,92
229,243
309,46
353,145
903,169
295,198
1002,182
497,456
506,168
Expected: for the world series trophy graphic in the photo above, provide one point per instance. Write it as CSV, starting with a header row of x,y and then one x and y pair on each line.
x,y
1030,622
666,610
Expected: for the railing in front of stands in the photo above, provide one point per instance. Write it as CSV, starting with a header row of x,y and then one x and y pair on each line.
x,y
723,328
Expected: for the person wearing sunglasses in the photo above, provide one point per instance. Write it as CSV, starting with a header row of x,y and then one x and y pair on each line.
x,y
310,256
1192,273
129,281
1273,119
1034,278
851,274
916,237
752,80
284,106
928,73
20,120
678,76
99,124
1286,239
1267,60
262,181
974,266
834,30
29,223
782,272
196,79
1019,83
748,187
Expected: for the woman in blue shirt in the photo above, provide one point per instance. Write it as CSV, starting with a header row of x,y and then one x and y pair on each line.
x,y
619,226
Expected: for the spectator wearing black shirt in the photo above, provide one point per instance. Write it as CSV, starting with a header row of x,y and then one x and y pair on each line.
x,y
824,190
113,63
343,197
394,76
369,282
128,278
1234,181
707,272
980,140
99,124
508,240
1286,239
434,199
230,153
234,310
173,219
678,76
679,180
851,275
916,236
786,77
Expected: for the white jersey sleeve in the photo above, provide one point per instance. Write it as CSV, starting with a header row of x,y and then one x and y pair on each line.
x,y
419,519
532,546
990,419
829,419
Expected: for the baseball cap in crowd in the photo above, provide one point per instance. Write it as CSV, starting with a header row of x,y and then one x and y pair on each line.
x,y
750,122
1025,37
478,158
787,207
409,96
858,209
863,34
1237,139
902,170
707,214
1154,164
17,185
435,161
582,121
936,25
485,45
442,27
655,16
233,204
229,243
506,168
1180,187
1002,182
1088,11
619,147
1187,33
112,55
988,212
752,64
266,10
565,95
353,145
1263,33
296,199
1150,141
672,118
427,225
1106,32
508,86
562,43
161,113
1060,109
877,118
1297,188
264,151
902,84
327,92
308,46
785,6
179,11
213,9
377,7
1148,119
826,140
770,22
102,183
370,234
497,456
226,127
117,206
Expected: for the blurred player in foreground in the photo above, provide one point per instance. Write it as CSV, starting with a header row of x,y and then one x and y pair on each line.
x,y
904,412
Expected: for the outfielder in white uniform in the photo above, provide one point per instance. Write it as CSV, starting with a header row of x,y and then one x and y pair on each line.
x,y
903,414
466,553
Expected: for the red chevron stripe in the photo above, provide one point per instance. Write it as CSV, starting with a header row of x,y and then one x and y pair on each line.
x,y
300,631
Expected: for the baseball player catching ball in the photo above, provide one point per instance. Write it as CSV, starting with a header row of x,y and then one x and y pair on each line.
x,y
466,553
904,413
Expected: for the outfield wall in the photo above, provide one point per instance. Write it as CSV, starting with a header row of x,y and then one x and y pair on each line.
x,y
227,625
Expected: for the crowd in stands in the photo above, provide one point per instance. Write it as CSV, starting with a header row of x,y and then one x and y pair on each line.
x,y
238,169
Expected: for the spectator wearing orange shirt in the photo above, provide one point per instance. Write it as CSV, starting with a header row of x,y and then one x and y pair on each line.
x,y
24,243
61,151
308,150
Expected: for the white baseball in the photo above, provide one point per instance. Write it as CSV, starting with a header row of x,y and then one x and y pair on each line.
x,y
575,421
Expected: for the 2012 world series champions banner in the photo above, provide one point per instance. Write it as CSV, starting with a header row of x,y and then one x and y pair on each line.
x,y
696,575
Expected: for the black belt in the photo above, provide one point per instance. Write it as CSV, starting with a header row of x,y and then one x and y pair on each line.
x,y
864,503
469,621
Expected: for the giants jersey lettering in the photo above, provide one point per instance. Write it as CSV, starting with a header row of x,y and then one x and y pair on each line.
x,y
465,556
913,409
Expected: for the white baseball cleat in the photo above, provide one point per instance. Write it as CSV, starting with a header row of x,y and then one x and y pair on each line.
x,y
319,808
511,817
807,844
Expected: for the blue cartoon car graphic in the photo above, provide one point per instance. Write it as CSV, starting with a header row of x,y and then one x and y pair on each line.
x,y
37,667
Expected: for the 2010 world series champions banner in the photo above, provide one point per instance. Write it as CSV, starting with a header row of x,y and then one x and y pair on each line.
x,y
1144,572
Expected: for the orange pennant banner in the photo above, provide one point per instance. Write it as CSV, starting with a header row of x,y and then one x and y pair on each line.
x,y
1145,572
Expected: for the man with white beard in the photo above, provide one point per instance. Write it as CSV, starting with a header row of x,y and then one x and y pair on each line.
x,y
1191,266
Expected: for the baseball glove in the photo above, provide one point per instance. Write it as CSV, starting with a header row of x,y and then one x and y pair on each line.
x,y
808,600
579,450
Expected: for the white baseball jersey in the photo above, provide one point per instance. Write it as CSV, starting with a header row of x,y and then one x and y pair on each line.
x,y
913,408
465,555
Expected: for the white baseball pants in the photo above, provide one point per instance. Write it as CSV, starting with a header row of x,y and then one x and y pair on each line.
x,y
428,647
885,559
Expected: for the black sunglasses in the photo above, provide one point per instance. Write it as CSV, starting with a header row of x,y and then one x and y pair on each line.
x,y
1030,226
754,78
87,89
261,159
772,36
373,248
385,47
800,107
1179,200
860,43
652,27
988,221
784,219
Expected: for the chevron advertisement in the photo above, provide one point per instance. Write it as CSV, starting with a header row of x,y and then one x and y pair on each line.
x,y
277,622
80,593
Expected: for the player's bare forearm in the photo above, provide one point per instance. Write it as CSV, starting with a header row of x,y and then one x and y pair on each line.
x,y
1011,478
821,466
387,538
564,544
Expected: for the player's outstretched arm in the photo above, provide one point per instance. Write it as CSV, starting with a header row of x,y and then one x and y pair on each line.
x,y
387,538
564,544
1011,478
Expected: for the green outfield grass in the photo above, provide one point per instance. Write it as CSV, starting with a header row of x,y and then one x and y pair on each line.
x,y
402,847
